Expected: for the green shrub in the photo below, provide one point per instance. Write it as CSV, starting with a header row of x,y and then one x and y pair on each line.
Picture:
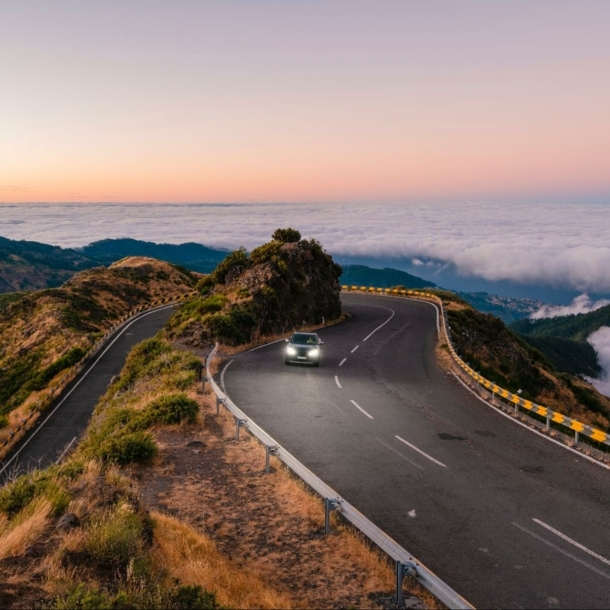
x,y
205,284
266,252
234,328
128,448
145,596
15,496
286,235
116,537
237,260
171,409
3,421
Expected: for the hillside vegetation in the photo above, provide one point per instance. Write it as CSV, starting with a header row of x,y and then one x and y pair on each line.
x,y
576,326
504,357
282,285
46,332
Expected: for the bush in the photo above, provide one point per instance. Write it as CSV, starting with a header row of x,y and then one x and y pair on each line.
x,y
266,252
128,448
115,537
205,284
234,328
237,260
15,496
286,235
171,409
182,597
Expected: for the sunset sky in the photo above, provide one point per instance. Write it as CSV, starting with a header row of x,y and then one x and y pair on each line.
x,y
293,101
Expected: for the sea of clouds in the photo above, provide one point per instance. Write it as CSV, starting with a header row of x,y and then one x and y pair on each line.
x,y
581,304
560,245
600,340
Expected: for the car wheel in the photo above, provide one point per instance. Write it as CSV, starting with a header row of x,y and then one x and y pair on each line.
x,y
286,361
316,364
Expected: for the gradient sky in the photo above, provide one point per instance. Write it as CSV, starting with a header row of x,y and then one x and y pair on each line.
x,y
304,101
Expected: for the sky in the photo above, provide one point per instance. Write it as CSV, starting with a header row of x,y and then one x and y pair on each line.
x,y
305,102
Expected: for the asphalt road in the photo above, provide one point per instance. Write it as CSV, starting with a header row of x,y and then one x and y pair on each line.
x,y
505,517
70,415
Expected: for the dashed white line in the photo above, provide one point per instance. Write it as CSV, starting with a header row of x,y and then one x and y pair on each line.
x,y
337,382
560,550
357,346
381,325
342,361
420,451
361,409
576,544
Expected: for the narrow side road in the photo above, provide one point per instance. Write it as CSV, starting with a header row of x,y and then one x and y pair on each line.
x,y
69,417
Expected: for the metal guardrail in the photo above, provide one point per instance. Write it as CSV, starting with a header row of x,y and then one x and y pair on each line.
x,y
551,416
406,564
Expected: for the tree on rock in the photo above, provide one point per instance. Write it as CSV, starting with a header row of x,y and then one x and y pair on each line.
x,y
287,236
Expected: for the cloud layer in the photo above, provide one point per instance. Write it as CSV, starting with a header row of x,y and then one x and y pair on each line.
x,y
559,245
581,304
600,340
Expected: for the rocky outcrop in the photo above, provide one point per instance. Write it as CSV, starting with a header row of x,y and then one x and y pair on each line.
x,y
279,287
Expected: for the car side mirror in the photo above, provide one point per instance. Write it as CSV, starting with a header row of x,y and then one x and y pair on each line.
x,y
287,340
320,342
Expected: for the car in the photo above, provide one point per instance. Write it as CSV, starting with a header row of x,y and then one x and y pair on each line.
x,y
303,348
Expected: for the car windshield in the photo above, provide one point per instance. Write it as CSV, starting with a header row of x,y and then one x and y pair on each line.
x,y
303,339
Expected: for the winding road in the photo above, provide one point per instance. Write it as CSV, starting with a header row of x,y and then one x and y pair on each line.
x,y
506,517
68,418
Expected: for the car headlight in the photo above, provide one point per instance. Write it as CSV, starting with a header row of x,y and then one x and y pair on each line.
x,y
314,352
291,351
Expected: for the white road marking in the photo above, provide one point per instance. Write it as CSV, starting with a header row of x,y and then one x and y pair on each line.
x,y
568,539
361,409
381,325
406,459
342,361
79,382
560,550
516,421
337,382
357,346
222,375
420,451
412,513
60,458
264,345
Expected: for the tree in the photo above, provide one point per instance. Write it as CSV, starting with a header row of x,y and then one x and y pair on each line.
x,y
286,236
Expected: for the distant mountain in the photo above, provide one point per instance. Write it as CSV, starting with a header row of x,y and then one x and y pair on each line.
x,y
508,309
195,257
360,275
576,326
30,265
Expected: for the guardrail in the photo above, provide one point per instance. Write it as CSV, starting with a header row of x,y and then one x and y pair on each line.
x,y
405,563
60,384
551,416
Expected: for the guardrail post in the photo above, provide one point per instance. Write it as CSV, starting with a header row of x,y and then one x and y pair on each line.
x,y
238,424
402,570
548,423
330,504
219,401
269,451
203,380
576,437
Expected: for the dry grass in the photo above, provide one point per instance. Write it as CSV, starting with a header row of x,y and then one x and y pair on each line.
x,y
24,529
195,559
271,525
